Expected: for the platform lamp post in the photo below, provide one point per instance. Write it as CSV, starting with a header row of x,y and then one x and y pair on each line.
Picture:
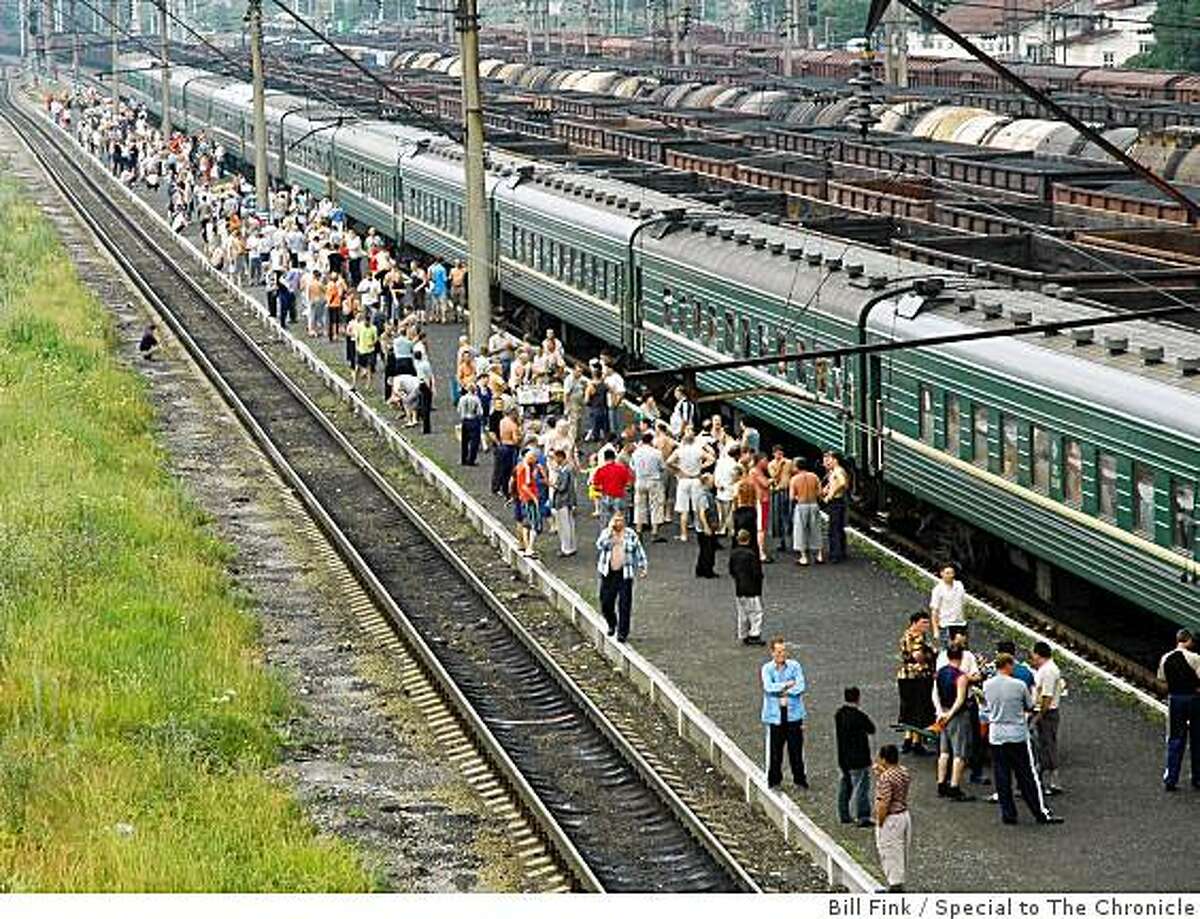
x,y
262,191
479,289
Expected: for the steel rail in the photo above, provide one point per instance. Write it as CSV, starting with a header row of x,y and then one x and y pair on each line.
x,y
556,837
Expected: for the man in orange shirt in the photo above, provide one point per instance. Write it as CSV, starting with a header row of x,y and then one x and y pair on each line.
x,y
527,481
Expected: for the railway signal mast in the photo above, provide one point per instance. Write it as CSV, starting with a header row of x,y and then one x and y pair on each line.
x,y
479,292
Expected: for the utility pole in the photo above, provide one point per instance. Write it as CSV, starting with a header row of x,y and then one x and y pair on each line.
x,y
479,259
262,191
112,35
74,46
529,30
165,47
791,36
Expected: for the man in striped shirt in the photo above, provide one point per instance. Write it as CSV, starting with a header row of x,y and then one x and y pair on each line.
x,y
621,558
893,825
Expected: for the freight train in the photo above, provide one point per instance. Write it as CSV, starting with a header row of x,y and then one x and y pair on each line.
x,y
1080,451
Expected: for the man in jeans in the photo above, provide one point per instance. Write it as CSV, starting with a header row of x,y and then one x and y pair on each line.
x,y
783,714
853,728
621,558
1180,670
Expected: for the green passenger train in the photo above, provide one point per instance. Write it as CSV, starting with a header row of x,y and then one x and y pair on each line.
x,y
1081,451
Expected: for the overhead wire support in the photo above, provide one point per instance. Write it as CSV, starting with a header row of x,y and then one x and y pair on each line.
x,y
875,16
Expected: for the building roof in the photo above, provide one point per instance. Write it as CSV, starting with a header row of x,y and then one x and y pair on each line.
x,y
973,17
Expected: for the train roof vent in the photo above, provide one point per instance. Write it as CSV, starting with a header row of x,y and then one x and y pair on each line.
x,y
506,171
741,237
1021,317
635,209
964,302
622,202
567,186
696,226
589,192
558,183
833,264
1188,366
610,198
1151,354
710,229
992,309
854,269
929,287
1050,289
777,248
1083,337
758,242
1116,344
878,281
771,219
814,258
795,253
981,270
1066,293
726,232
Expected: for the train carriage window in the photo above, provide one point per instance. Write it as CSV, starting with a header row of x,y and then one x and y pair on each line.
x,y
1106,485
762,340
1143,499
1073,473
783,368
1010,451
727,343
925,395
979,444
701,329
1040,446
1183,515
953,424
743,341
555,261
797,371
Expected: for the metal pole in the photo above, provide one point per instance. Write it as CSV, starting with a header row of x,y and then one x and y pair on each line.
x,y
165,46
23,28
261,183
112,34
479,290
74,46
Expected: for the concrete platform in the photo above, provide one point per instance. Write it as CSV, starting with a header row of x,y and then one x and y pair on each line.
x,y
1122,832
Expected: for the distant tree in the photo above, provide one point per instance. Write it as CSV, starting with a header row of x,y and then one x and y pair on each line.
x,y
1176,25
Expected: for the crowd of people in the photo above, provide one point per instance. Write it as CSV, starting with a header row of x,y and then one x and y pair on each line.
x,y
561,439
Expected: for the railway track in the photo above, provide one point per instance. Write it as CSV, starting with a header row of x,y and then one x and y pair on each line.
x,y
610,821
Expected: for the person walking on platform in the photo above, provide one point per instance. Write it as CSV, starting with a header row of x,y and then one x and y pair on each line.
x,y
837,483
649,487
746,569
893,824
854,729
1180,670
805,491
1008,701
1047,692
620,558
914,680
563,502
783,713
470,414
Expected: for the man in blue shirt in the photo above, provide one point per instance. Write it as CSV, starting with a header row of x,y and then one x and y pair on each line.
x,y
1008,703
783,713
439,289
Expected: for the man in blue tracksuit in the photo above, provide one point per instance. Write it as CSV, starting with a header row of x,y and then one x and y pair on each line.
x,y
783,713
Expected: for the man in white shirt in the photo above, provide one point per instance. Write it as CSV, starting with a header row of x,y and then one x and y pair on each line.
x,y
616,395
688,461
1047,691
649,478
946,606
725,477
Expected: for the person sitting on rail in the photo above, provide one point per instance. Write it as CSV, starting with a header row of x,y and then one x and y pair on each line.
x,y
148,346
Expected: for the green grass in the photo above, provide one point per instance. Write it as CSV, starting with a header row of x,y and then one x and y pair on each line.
x,y
136,717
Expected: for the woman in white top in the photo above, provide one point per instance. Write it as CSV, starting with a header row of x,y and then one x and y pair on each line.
x,y
946,605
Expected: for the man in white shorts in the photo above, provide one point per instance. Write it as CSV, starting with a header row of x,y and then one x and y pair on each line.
x,y
688,461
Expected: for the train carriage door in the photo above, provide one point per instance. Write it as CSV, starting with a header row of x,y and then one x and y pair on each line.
x,y
872,417
634,335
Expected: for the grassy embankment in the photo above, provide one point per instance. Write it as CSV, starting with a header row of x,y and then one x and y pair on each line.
x,y
136,719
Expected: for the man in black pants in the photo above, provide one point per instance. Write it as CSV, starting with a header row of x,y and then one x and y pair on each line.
x,y
783,713
837,484
1008,702
621,558
470,413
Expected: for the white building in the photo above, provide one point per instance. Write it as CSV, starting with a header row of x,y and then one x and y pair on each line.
x,y
1085,33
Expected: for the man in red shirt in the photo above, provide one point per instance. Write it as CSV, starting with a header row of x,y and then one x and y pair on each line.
x,y
613,479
